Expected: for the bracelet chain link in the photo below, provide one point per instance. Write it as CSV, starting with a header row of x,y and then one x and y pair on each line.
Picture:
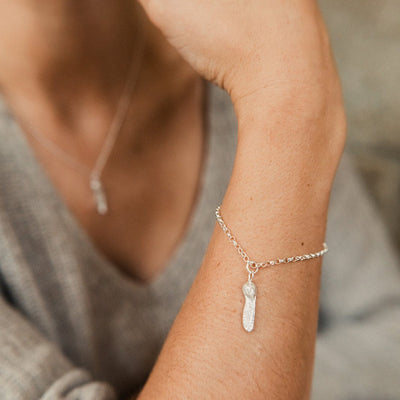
x,y
249,288
252,266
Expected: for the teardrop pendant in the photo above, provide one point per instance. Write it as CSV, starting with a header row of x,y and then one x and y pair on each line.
x,y
99,195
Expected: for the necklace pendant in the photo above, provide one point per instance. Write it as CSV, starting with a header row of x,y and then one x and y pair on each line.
x,y
99,195
249,310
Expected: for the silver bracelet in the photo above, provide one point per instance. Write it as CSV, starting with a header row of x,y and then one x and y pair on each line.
x,y
252,267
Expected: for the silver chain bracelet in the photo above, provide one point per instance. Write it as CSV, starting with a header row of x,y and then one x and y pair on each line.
x,y
252,267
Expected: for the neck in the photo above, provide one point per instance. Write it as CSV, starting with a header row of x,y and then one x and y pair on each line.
x,y
64,64
61,46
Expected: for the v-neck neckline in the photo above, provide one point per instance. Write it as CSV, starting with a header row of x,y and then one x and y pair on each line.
x,y
175,262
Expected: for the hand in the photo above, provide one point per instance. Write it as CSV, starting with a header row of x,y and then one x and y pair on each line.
x,y
274,59
253,46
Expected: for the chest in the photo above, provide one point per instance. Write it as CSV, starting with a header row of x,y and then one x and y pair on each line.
x,y
151,192
148,217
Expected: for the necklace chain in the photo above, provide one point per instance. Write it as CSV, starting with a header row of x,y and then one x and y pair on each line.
x,y
94,174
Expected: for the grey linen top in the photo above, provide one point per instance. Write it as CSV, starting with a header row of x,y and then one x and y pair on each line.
x,y
73,327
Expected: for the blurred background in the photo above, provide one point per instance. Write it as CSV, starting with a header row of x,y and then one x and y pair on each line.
x,y
365,36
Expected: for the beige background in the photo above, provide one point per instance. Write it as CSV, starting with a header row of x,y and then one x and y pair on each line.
x,y
366,40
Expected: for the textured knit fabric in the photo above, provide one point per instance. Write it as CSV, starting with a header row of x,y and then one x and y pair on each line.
x,y
73,327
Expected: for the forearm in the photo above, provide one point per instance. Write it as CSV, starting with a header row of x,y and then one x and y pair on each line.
x,y
276,204
274,60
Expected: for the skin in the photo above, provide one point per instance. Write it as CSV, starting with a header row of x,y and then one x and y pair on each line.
x,y
274,59
66,88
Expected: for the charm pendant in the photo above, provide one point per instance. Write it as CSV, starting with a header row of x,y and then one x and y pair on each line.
x,y
99,195
249,309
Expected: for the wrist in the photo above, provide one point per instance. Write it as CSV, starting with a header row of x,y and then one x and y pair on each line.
x,y
285,163
287,132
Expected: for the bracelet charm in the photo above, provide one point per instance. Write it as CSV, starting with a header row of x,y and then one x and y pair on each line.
x,y
249,310
249,288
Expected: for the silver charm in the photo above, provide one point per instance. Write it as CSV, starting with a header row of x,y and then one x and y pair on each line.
x,y
249,310
252,267
99,195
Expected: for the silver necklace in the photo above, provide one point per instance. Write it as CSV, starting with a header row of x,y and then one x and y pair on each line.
x,y
94,174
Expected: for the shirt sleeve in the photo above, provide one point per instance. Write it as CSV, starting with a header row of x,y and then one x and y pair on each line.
x,y
359,343
32,368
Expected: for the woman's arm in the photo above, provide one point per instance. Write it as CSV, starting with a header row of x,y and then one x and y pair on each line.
x,y
276,203
291,136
